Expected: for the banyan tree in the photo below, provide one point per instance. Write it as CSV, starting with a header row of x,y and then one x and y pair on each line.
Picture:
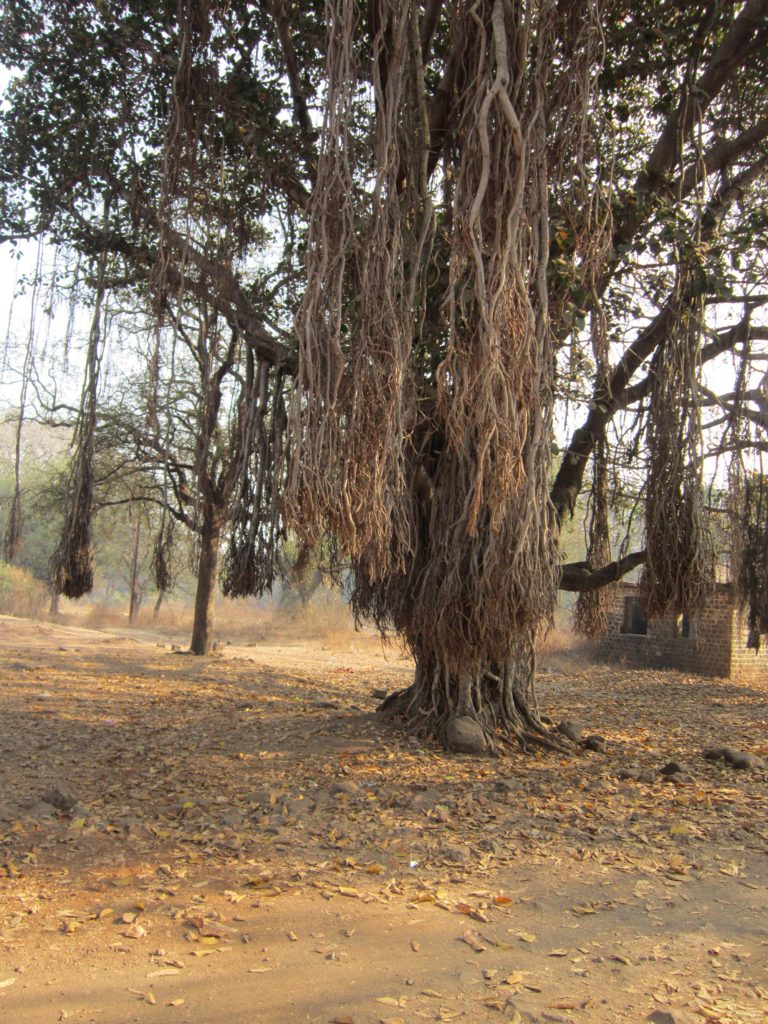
x,y
443,231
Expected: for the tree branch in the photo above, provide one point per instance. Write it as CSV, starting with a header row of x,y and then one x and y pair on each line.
x,y
577,576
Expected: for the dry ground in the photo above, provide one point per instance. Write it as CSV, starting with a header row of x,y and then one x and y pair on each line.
x,y
250,846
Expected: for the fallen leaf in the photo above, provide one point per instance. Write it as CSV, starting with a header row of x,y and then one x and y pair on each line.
x,y
7,982
582,909
474,939
516,978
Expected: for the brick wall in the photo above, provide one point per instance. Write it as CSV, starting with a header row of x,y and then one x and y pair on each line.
x,y
747,665
705,651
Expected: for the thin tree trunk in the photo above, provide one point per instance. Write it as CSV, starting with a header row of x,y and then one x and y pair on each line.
x,y
135,588
158,605
202,630
54,607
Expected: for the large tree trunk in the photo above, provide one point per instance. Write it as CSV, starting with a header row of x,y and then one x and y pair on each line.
x,y
477,711
202,630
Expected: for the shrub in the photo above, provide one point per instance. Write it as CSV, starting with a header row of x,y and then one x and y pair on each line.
x,y
20,593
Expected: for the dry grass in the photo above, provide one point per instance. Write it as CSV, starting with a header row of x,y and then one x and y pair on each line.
x,y
20,593
325,617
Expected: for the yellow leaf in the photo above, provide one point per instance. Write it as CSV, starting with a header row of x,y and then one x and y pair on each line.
x,y
515,978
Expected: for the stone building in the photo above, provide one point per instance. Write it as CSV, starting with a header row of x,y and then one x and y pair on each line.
x,y
711,643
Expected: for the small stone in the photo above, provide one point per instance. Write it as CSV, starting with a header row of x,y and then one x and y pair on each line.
x,y
714,753
7,813
521,1011
465,736
61,797
456,854
345,786
38,809
729,754
633,774
596,743
670,1017
745,762
380,693
573,730
672,768
648,775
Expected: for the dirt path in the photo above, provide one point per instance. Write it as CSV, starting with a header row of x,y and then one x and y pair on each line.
x,y
244,844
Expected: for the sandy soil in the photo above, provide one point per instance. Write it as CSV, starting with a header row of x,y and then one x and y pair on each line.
x,y
239,841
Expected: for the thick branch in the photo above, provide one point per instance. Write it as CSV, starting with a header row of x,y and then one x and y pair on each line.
x,y
609,398
577,576
750,27
299,100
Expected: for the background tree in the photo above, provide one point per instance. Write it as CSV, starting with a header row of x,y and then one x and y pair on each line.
x,y
495,207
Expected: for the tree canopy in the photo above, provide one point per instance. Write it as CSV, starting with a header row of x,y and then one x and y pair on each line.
x,y
434,226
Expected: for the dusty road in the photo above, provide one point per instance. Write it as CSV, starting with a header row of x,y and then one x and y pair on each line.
x,y
239,841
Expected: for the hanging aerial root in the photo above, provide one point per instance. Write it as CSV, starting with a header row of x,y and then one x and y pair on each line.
x,y
354,403
679,565
751,568
590,615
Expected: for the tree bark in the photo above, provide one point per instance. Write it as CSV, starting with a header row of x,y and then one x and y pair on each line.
x,y
133,610
158,605
202,630
477,711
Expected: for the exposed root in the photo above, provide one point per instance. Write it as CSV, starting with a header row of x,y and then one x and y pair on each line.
x,y
523,729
